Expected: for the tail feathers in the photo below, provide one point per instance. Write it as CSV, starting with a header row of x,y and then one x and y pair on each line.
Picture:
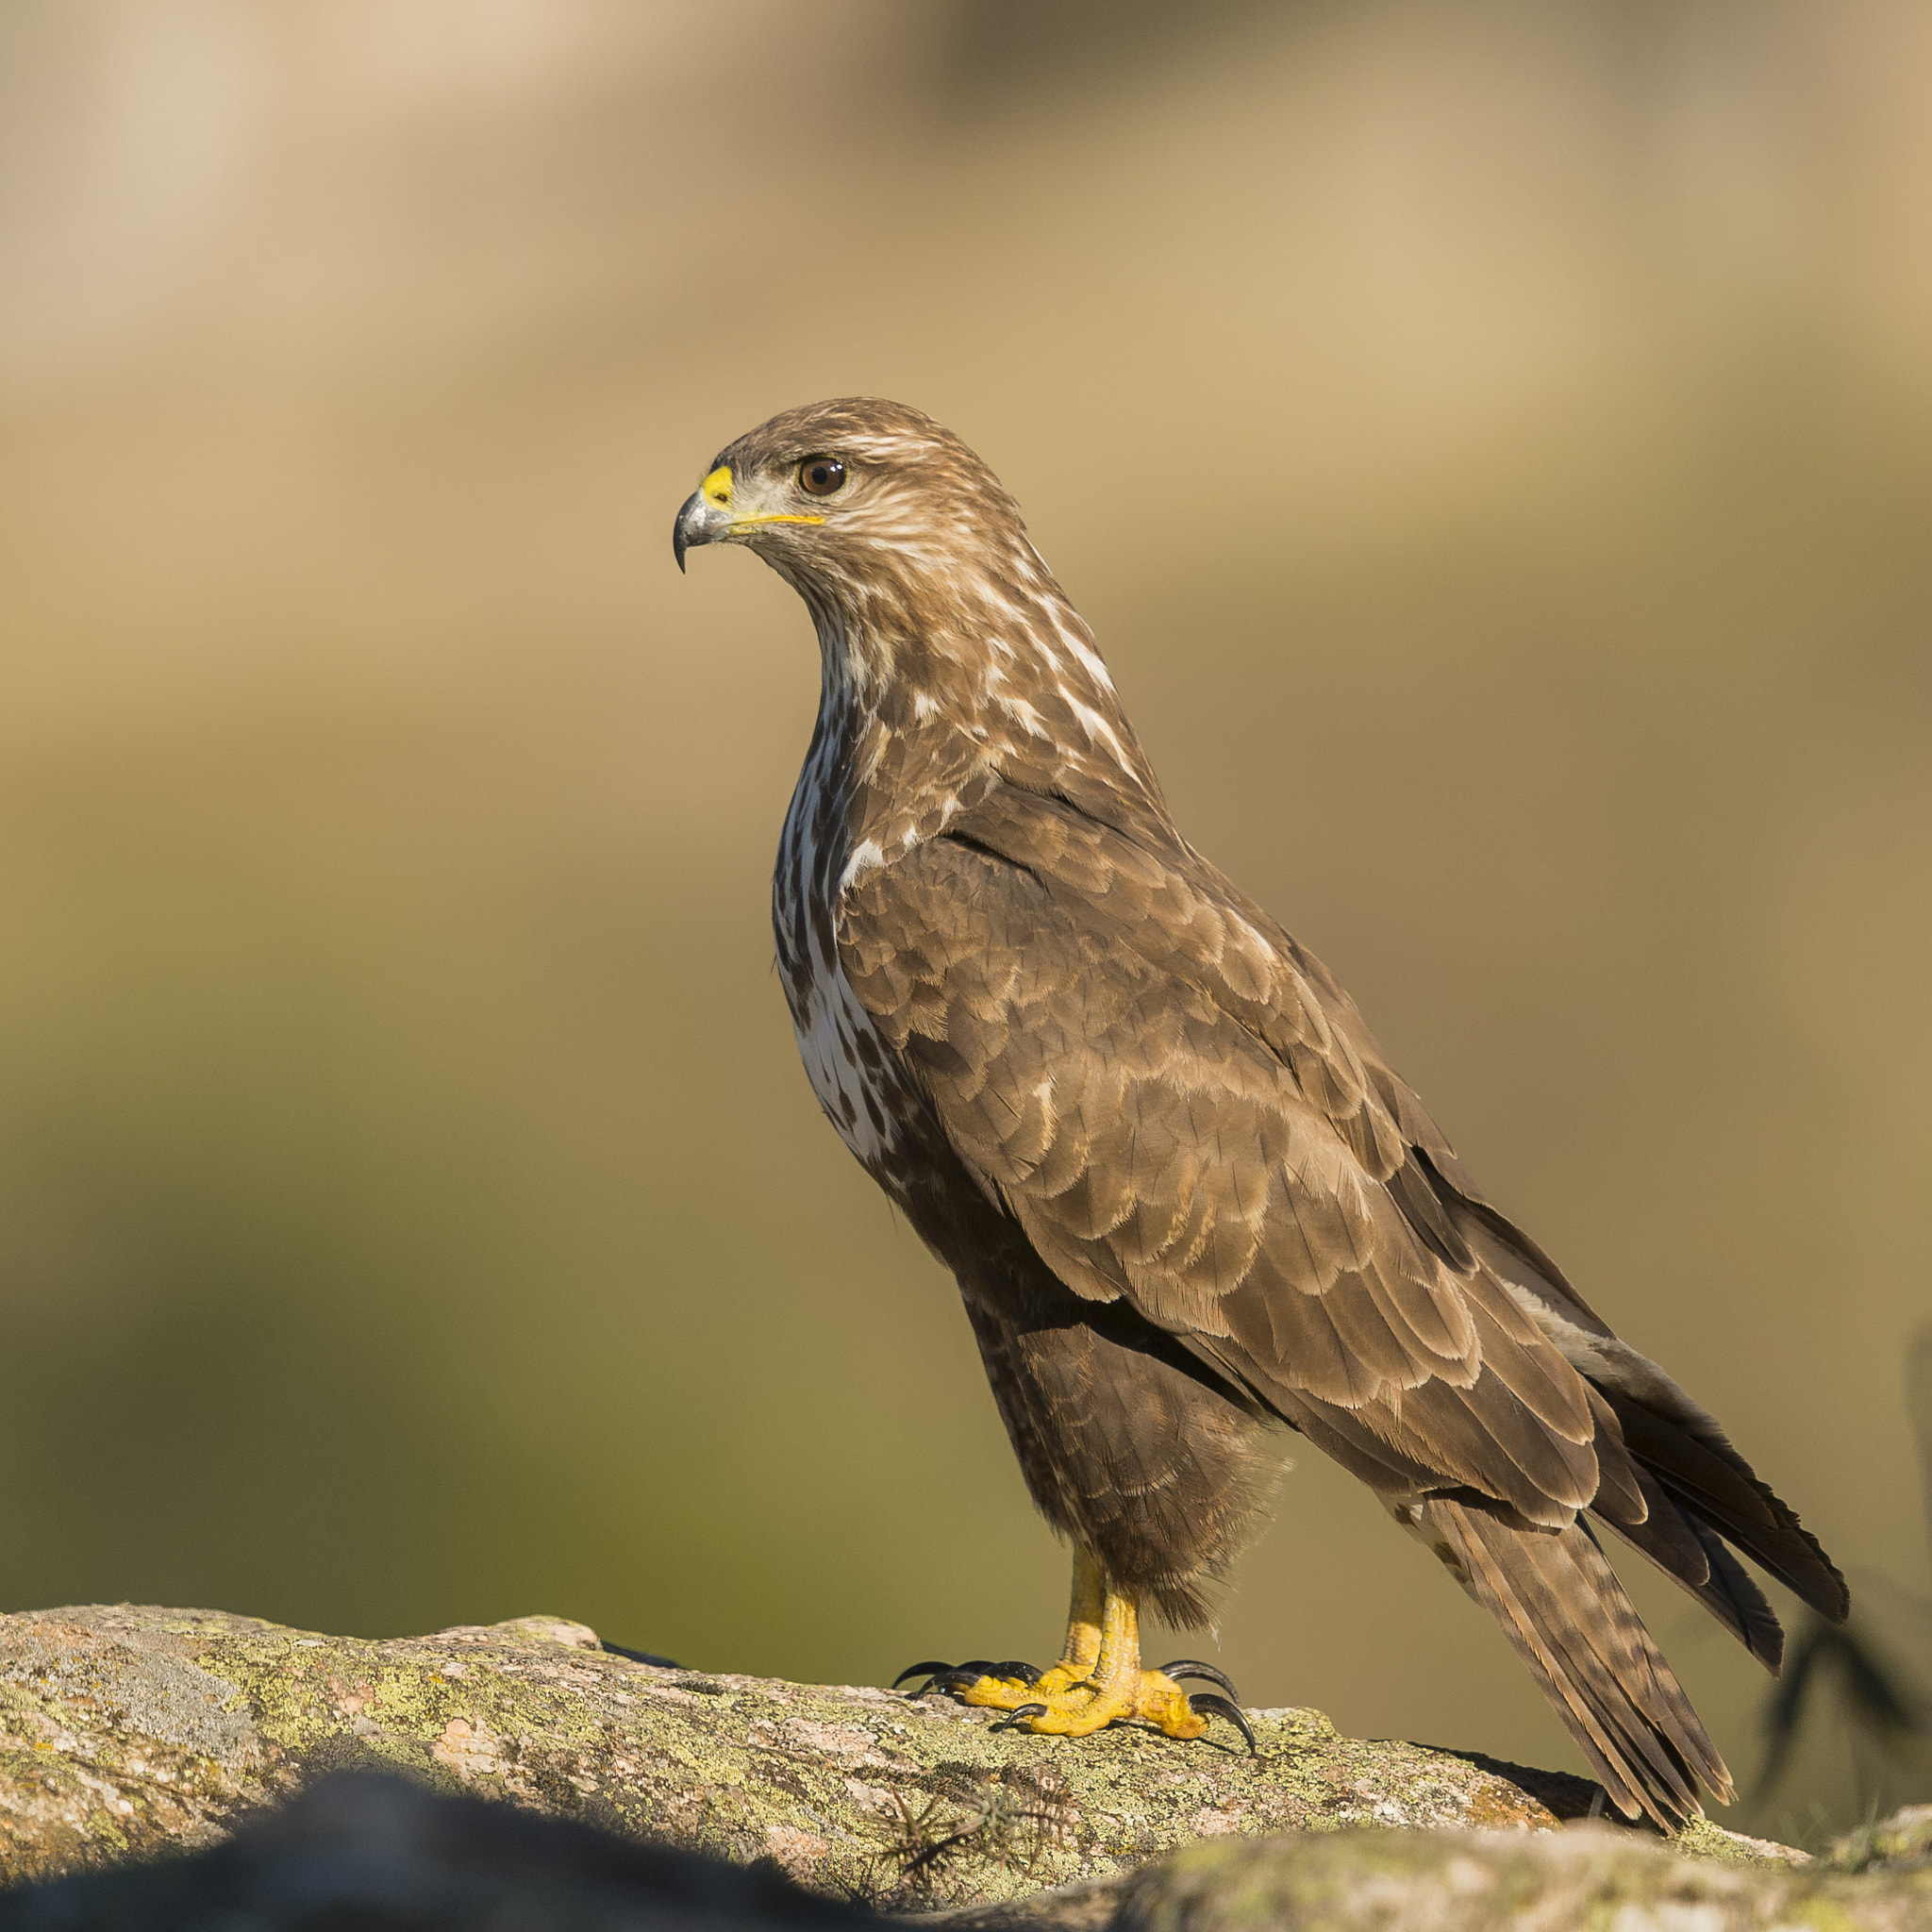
x,y
1716,1487
1560,1604
1696,1558
1676,1440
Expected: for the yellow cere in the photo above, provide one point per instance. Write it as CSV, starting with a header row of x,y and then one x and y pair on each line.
x,y
716,488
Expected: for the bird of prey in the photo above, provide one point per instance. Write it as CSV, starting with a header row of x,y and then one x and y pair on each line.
x,y
1187,1199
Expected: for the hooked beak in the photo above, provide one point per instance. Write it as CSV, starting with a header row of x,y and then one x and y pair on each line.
x,y
698,522
708,515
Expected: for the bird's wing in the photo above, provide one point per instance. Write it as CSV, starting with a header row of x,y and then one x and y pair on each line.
x,y
1181,1106
1697,1487
1151,1085
1184,1111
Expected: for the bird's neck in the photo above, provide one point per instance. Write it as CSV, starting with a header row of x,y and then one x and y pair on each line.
x,y
928,701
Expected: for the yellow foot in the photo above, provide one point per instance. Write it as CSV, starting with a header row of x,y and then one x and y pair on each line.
x,y
1067,1702
1065,1683
1150,1695
998,1687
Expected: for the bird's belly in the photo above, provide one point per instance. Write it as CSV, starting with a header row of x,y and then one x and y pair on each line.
x,y
846,1061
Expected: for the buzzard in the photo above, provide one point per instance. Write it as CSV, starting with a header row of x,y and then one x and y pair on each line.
x,y
1188,1201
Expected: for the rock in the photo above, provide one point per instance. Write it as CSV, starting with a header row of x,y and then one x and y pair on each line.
x,y
1442,1881
1902,1842
363,1850
126,1732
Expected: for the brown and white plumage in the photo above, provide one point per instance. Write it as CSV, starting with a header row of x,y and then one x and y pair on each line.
x,y
1186,1197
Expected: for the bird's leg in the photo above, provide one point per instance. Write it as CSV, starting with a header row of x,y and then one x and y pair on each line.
x,y
1007,1687
1098,1678
1116,1686
1081,1650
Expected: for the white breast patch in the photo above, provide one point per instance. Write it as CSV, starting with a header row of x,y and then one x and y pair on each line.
x,y
828,1032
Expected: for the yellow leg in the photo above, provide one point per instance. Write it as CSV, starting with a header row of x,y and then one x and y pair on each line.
x,y
1081,1650
1077,1654
1098,1678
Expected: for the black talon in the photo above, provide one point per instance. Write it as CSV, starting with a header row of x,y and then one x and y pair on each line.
x,y
1013,1717
1207,1700
1014,1668
962,1678
1193,1667
925,1670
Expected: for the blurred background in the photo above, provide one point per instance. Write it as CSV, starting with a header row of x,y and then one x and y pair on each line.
x,y
1492,440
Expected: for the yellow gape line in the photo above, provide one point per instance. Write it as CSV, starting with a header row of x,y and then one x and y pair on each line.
x,y
716,490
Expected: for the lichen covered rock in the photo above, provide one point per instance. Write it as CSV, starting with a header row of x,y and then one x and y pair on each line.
x,y
127,1731
1483,1882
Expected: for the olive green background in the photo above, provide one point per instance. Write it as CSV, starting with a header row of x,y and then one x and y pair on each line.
x,y
1493,443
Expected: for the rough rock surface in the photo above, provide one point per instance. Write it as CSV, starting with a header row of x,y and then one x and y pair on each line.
x,y
1902,1842
1476,1881
127,1731
377,1851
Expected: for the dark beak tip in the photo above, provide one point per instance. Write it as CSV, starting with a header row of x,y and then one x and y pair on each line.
x,y
680,541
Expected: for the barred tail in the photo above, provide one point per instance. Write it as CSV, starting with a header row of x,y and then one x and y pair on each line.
x,y
1560,1604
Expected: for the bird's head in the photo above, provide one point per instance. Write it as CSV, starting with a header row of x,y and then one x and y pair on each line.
x,y
934,612
854,501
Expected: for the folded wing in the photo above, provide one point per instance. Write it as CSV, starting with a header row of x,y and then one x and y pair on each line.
x,y
1181,1108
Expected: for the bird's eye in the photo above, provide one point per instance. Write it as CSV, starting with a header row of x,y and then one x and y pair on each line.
x,y
820,476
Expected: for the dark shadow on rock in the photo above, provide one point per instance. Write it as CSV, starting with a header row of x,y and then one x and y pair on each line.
x,y
1567,1798
384,1852
640,1657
